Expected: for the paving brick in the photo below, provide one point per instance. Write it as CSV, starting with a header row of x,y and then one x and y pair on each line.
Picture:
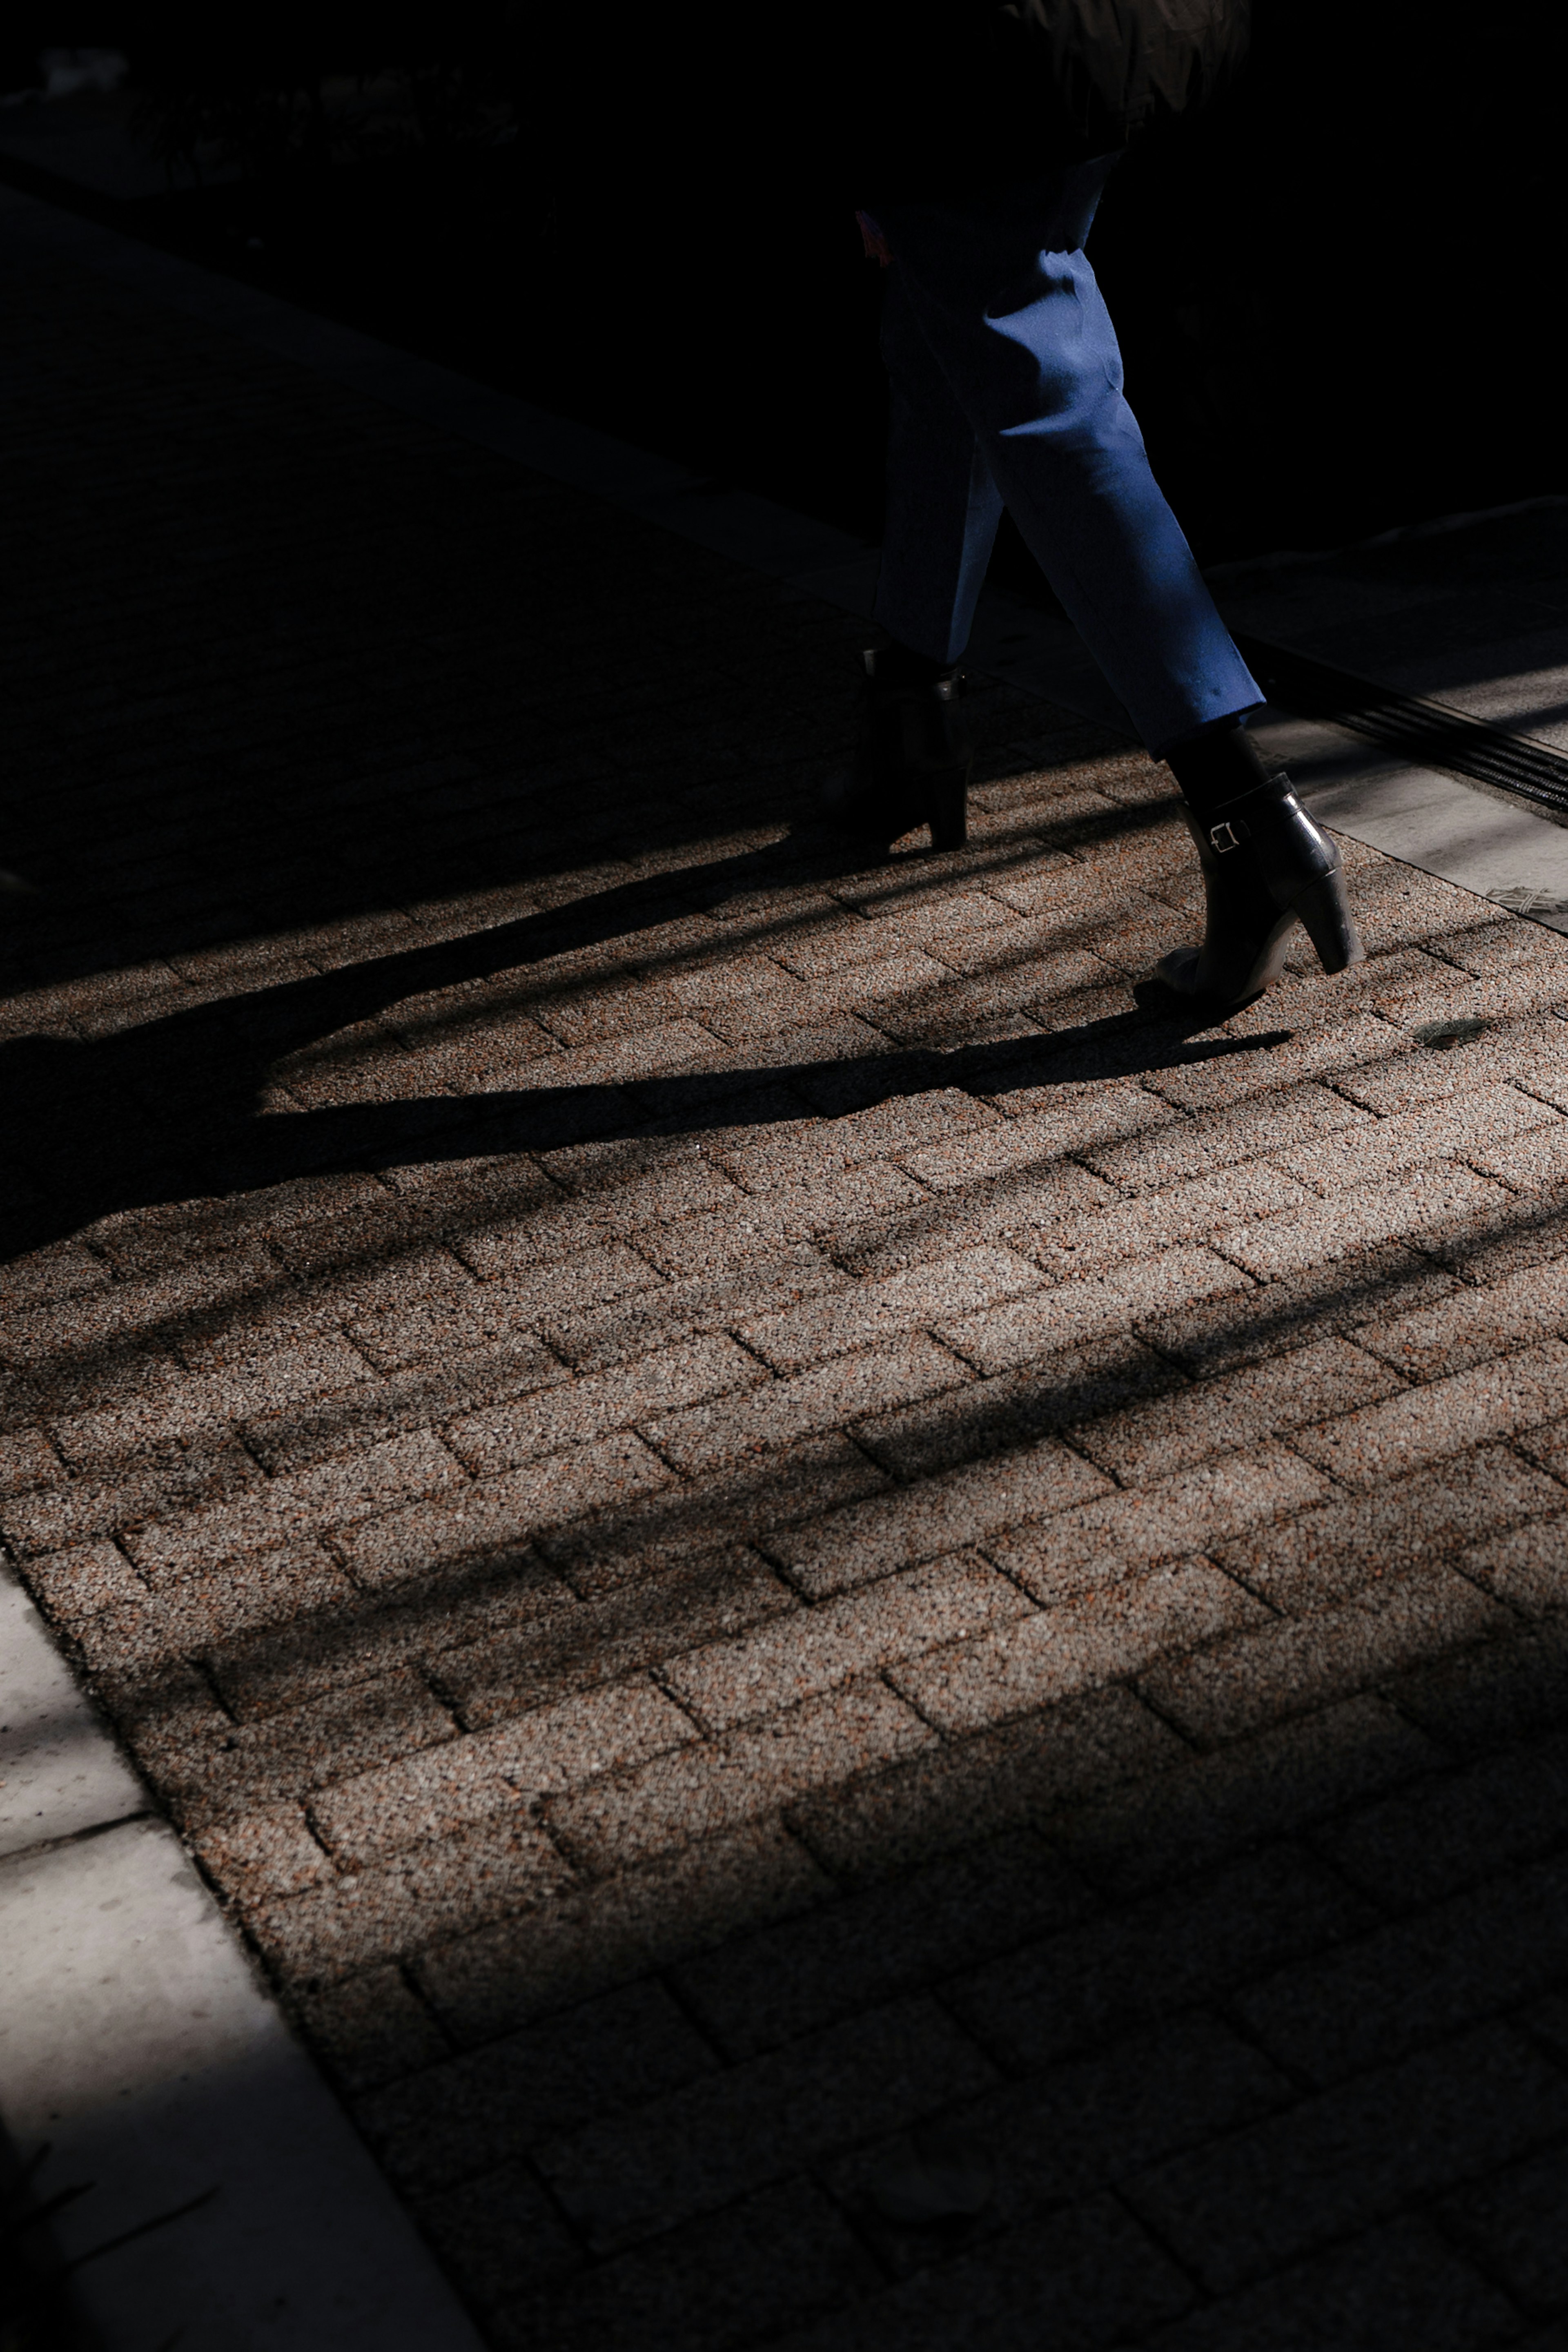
x,y
70,1514
281,1591
1340,1546
145,1312
866,1539
1077,2128
104,1421
506,1672
902,1126
866,1947
1155,1832
1494,1400
625,2180
1397,2289
754,1496
1524,1233
572,1284
586,1939
1255,1677
1280,1393
1373,1288
946,1797
1514,1688
454,2121
776,2259
1531,1052
262,1854
1077,1550
799,1655
500,2234
1076,1988
429,1890
1073,1647
498,1516
1212,1081
1473,1325
663,1317
297,1436
334,1493
477,1779
1512,2225
744,1235
680,1798
1086,2277
1032,1139
873,1312
1008,1211
28,1461
1071,1313
1477,1125
1352,2155
1205,1210
1446,1831
235,1768
79,1583
63,1270
1418,1979
1183,1149
950,1430
1549,1446
708,1437
1528,1569
588,1408
371,2029
1427,1203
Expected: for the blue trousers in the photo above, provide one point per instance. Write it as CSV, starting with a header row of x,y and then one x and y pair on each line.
x,y
1005,383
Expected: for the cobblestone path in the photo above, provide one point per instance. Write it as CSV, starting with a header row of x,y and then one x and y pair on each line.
x,y
739,1510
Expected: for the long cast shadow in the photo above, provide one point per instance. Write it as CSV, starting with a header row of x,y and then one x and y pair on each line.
x,y
167,1110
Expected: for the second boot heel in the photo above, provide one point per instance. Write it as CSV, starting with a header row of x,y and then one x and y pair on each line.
x,y
913,757
947,810
1323,911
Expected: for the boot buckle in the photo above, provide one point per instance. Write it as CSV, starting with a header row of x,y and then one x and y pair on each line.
x,y
1230,835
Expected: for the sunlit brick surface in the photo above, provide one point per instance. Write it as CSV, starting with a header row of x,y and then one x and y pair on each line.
x,y
738,1508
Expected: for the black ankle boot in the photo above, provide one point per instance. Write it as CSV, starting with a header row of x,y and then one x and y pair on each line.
x,y
913,756
1266,865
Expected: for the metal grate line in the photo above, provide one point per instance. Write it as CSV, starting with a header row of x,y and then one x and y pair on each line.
x,y
1439,737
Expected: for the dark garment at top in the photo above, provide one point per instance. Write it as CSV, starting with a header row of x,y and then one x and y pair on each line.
x,y
862,100
953,98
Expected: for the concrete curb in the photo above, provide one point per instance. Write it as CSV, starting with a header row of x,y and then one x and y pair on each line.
x,y
229,2203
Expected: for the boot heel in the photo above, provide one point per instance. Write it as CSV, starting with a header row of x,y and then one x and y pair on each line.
x,y
1323,911
947,812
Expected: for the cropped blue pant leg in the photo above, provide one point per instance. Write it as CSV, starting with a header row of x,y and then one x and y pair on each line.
x,y
1005,383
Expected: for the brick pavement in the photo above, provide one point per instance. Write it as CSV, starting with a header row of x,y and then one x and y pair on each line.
x,y
739,1509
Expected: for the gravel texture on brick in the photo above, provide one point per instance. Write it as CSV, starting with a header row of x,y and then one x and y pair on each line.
x,y
750,1517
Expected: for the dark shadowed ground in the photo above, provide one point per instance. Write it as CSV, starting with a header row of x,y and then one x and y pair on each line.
x,y
742,1512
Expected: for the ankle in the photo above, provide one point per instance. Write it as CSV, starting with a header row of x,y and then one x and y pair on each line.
x,y
1219,764
894,665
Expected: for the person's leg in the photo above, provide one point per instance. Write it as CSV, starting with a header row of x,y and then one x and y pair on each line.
x,y
1012,317
913,756
943,507
1010,312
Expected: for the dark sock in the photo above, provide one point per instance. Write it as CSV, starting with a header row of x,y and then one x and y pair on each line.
x,y
896,665
1217,765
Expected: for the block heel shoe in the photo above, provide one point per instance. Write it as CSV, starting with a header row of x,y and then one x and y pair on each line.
x,y
1266,867
913,756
